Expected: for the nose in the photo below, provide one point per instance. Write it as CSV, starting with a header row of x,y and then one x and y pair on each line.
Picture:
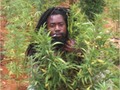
x,y
57,28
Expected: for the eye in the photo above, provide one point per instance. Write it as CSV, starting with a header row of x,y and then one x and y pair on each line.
x,y
61,24
52,25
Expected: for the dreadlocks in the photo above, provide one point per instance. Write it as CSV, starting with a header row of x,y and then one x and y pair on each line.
x,y
53,11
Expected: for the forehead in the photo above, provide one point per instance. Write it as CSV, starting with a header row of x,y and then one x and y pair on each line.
x,y
55,18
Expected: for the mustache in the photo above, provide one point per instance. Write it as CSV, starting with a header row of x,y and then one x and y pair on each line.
x,y
56,38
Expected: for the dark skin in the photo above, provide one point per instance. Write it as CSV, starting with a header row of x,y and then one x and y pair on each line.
x,y
57,27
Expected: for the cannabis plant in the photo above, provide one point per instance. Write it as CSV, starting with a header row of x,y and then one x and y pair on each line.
x,y
19,21
51,70
92,7
100,53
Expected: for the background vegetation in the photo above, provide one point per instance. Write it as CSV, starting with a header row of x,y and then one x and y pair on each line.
x,y
99,69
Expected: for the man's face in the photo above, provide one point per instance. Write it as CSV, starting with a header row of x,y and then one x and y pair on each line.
x,y
57,26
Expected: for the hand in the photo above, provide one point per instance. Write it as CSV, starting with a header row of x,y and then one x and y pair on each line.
x,y
69,46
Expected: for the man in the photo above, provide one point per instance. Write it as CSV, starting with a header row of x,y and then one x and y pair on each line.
x,y
56,20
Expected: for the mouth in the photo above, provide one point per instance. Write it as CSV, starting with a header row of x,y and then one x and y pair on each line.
x,y
56,35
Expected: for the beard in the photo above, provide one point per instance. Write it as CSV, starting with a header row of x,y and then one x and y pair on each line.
x,y
61,38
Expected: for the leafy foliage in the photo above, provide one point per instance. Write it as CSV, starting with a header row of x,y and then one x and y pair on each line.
x,y
113,9
55,72
52,71
92,7
99,55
